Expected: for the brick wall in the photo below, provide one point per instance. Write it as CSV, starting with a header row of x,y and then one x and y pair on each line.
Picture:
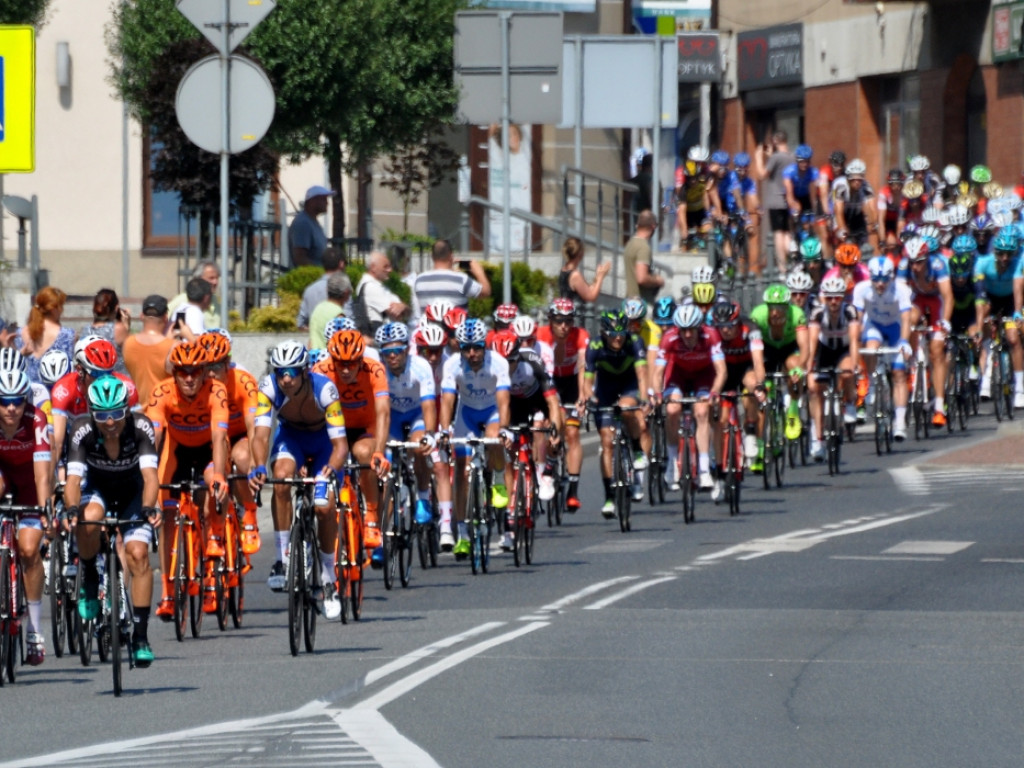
x,y
933,116
1004,86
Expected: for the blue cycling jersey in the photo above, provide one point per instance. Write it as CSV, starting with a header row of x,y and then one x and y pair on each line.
x,y
801,183
990,282
735,191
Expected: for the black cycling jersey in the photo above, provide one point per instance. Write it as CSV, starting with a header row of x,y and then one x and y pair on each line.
x,y
833,333
119,477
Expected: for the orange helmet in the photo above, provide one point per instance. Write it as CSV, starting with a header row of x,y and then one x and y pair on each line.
x,y
346,346
188,354
217,347
848,254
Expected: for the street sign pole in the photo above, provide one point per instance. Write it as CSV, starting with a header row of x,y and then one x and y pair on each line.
x,y
506,161
225,156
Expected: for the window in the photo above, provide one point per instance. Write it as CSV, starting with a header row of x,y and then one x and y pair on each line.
x,y
901,119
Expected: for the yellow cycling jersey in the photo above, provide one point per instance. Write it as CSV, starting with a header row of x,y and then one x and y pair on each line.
x,y
650,334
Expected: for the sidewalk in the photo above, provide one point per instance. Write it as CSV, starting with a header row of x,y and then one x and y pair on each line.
x,y
1003,448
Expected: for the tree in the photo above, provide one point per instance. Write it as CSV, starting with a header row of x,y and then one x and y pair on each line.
x,y
24,12
414,168
354,79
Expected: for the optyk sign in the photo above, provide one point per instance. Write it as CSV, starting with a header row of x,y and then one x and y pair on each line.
x,y
770,57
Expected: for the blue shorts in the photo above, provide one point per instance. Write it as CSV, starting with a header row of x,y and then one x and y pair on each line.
x,y
300,446
413,420
471,422
887,336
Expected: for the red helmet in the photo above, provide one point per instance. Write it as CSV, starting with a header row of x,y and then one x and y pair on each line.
x,y
505,343
455,317
506,313
98,356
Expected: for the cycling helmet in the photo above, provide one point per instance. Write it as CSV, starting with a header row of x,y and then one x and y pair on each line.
x,y
981,174
663,310
346,346
742,160
455,317
896,176
222,331
697,154
1001,219
635,309
992,190
506,313
776,294
983,223
856,168
53,365
702,274
429,336
810,249
688,316
913,189
12,360
613,321
961,264
1012,201
931,215
289,354
837,157
799,281
951,173
720,156
473,331
964,244
881,268
848,254
803,152
107,393
318,355
436,310
833,286
80,345
14,384
919,163
188,354
1005,240
703,293
218,348
917,249
562,308
392,333
506,344
957,215
338,323
99,356
725,313
524,327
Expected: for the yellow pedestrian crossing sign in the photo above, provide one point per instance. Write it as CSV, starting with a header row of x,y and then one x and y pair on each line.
x,y
17,99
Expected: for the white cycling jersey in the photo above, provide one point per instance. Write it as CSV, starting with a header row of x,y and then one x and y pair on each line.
x,y
414,385
885,308
476,389
271,399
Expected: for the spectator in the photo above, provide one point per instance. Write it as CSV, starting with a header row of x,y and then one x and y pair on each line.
x,y
316,292
445,283
145,352
644,179
110,322
571,282
339,293
188,320
640,279
210,272
306,238
374,304
44,331
773,190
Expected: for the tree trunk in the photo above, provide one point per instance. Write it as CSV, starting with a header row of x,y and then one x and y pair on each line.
x,y
334,176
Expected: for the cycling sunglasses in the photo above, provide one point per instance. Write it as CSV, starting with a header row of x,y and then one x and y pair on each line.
x,y
189,371
431,350
7,402
564,320
113,415
467,347
292,371
393,351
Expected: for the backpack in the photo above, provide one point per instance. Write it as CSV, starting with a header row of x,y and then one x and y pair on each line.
x,y
360,314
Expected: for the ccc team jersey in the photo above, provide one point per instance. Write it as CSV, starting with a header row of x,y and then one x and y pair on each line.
x,y
189,422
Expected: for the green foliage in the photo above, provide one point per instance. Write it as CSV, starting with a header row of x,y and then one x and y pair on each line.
x,y
295,281
394,236
530,289
271,319
32,12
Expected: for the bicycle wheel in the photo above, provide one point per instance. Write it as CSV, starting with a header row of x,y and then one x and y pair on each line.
x,y
312,590
623,487
114,616
656,465
355,535
7,621
805,431
220,590
519,516
996,391
195,596
234,575
833,428
58,596
780,448
731,478
296,584
5,631
530,525
180,570
1008,387
405,541
768,447
688,480
236,600
389,531
71,605
951,397
103,638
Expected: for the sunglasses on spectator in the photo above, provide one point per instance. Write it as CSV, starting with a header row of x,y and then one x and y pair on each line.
x,y
114,415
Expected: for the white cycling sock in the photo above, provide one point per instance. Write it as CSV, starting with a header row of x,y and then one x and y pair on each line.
x,y
671,472
901,416
1018,381
35,615
446,514
327,567
940,404
281,537
704,462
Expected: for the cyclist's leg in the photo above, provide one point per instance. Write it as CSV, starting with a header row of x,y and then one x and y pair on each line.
x,y
673,414
137,540
573,455
362,449
30,534
89,537
242,460
815,404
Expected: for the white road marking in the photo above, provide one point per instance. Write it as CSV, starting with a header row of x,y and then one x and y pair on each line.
x,y
382,740
927,547
626,593
624,546
883,558
910,480
1011,560
428,650
585,592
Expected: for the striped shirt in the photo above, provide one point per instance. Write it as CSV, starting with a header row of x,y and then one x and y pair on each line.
x,y
445,285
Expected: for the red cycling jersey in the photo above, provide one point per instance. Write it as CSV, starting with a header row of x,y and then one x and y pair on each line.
x,y
567,356
68,397
30,444
683,362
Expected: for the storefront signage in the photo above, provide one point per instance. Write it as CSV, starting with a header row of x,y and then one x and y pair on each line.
x,y
770,57
700,57
1007,23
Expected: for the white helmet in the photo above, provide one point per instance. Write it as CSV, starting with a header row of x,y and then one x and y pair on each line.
x,y
799,281
84,342
12,360
14,384
881,268
856,168
524,326
289,354
951,173
703,274
833,286
430,336
931,215
919,163
53,365
688,316
698,154
957,215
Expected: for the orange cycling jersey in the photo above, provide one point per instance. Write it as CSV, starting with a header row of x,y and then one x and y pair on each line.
x,y
242,392
189,422
359,399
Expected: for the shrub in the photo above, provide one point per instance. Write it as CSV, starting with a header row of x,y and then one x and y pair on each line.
x,y
531,289
271,319
295,281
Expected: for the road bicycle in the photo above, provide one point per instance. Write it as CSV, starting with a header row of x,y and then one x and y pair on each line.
x,y
832,416
732,455
1001,390
799,449
688,467
187,555
13,604
525,499
773,435
881,386
228,570
479,512
396,513
658,460
556,505
959,386
350,553
623,474
920,402
731,249
63,565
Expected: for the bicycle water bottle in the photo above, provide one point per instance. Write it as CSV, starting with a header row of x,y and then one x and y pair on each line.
x,y
321,492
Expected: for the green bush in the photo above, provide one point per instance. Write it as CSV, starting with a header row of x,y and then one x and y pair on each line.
x,y
295,281
271,319
531,289
394,236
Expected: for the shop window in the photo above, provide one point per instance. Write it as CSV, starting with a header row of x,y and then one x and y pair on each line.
x,y
901,119
159,209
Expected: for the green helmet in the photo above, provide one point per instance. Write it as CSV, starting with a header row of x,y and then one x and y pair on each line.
x,y
613,321
981,174
776,294
108,393
810,249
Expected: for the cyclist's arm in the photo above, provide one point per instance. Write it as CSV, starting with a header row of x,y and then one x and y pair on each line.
x,y
382,410
73,490
259,446
813,339
721,374
339,453
60,431
504,411
42,471
219,444
429,409
791,202
872,218
1018,293
839,211
554,411
802,343
946,292
150,487
757,358
587,390
444,419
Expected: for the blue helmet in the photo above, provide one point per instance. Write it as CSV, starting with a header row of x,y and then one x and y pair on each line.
x,y
742,160
720,156
964,244
663,310
880,268
1006,240
803,152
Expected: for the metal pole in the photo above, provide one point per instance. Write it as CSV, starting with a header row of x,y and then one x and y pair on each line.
x,y
506,158
705,114
225,155
34,248
125,268
22,249
577,132
656,138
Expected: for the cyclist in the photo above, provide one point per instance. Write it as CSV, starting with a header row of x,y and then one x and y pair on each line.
x,y
834,343
920,170
783,329
915,201
640,325
799,179
503,316
112,462
890,206
999,280
616,373
966,312
813,260
25,473
743,350
413,406
525,329
335,324
883,306
983,228
366,405
703,294
243,394
856,218
52,366
691,364
829,176
569,343
533,400
191,411
479,380
738,195
310,433
693,182
801,290
932,295
949,191
848,267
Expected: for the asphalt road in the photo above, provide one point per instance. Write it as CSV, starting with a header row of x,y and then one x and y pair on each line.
x,y
869,619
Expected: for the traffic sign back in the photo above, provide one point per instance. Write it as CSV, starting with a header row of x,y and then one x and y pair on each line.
x,y
208,18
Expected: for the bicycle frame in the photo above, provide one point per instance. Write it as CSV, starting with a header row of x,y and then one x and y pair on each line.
x,y
478,504
187,556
